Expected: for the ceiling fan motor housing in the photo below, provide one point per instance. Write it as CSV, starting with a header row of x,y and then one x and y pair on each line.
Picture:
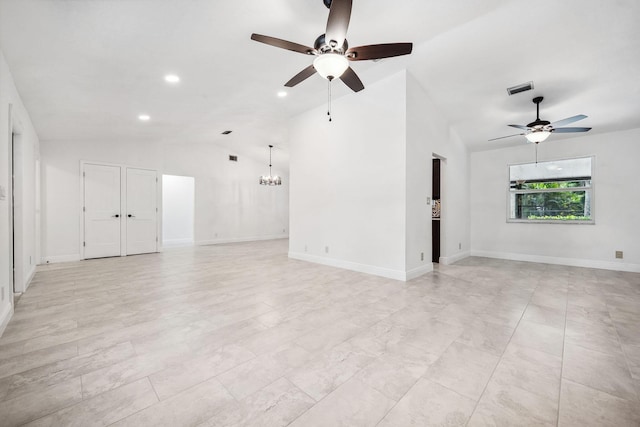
x,y
322,46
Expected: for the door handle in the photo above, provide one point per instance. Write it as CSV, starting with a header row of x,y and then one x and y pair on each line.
x,y
116,216
131,216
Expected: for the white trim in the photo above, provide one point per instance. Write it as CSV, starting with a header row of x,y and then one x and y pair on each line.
x,y
62,258
448,260
354,266
419,271
573,262
30,276
5,316
239,240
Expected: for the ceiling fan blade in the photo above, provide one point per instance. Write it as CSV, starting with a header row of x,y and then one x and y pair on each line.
x,y
508,136
351,79
570,130
519,127
564,122
283,44
378,51
301,76
338,22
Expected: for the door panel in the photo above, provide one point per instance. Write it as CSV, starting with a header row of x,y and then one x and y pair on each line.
x,y
102,216
142,222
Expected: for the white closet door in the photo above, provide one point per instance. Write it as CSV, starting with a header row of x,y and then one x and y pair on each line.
x,y
102,216
142,212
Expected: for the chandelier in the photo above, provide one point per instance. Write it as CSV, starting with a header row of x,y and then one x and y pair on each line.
x,y
270,179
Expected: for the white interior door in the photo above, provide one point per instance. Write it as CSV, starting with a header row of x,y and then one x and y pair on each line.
x,y
102,215
142,211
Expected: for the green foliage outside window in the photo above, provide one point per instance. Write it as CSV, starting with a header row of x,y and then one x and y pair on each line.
x,y
553,205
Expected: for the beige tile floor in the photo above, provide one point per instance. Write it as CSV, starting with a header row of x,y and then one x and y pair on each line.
x,y
239,335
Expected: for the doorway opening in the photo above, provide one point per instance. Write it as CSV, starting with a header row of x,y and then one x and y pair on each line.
x,y
435,210
178,206
17,231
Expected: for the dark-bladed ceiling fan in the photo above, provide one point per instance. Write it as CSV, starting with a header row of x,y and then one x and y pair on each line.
x,y
332,51
539,130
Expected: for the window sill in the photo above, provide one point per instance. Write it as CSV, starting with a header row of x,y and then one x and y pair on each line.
x,y
549,221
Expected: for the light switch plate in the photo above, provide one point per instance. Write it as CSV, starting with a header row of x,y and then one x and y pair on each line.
x,y
3,192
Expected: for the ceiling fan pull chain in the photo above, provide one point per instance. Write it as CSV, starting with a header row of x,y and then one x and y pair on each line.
x,y
329,97
536,154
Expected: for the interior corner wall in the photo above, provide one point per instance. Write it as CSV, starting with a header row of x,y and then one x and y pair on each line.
x,y
29,149
615,196
429,133
230,205
348,186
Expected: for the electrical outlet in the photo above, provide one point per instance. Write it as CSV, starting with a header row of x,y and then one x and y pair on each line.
x,y
460,245
421,256
284,230
326,249
619,255
215,234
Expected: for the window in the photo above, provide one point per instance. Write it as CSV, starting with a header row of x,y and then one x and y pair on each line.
x,y
554,191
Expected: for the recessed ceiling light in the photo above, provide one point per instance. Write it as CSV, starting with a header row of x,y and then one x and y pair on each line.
x,y
144,117
171,78
282,94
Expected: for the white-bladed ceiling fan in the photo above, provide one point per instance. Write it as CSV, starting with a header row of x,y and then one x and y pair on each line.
x,y
539,130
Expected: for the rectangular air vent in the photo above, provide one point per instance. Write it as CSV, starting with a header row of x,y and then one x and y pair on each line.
x,y
520,88
233,158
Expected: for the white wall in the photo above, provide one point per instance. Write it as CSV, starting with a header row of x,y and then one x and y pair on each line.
x,y
348,183
178,198
28,154
428,133
360,183
616,206
230,205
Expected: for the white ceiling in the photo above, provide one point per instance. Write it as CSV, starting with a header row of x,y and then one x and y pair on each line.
x,y
87,68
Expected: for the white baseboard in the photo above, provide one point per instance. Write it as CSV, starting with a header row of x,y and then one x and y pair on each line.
x,y
361,268
417,272
240,239
573,262
448,260
62,258
5,316
32,273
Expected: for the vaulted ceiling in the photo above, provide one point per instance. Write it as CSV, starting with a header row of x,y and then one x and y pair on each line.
x,y
87,69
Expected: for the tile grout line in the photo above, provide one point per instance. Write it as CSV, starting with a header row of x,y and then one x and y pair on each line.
x,y
502,355
624,353
564,338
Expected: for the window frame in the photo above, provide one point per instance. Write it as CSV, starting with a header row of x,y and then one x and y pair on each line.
x,y
590,189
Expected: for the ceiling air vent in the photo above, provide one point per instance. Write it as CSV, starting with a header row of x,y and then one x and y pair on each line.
x,y
520,88
233,158
227,132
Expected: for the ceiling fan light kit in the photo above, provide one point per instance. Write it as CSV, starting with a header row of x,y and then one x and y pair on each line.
x,y
331,65
537,136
